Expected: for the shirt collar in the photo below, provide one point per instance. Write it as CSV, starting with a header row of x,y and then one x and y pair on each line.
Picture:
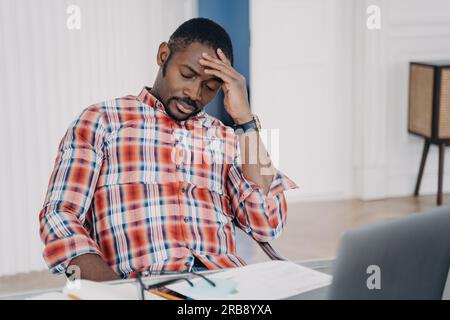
x,y
150,100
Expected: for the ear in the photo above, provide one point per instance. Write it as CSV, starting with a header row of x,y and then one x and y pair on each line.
x,y
163,54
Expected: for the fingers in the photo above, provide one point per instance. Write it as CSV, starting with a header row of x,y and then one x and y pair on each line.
x,y
222,60
221,67
225,77
223,57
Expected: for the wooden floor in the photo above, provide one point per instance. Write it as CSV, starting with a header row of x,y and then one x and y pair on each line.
x,y
313,231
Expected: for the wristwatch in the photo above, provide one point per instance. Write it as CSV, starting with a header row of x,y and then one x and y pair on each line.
x,y
253,124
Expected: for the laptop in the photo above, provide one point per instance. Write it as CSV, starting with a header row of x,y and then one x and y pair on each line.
x,y
402,258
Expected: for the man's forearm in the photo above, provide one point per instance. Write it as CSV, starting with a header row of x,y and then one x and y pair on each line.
x,y
93,267
256,163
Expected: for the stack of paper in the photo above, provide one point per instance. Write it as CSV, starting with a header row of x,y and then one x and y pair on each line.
x,y
268,280
90,290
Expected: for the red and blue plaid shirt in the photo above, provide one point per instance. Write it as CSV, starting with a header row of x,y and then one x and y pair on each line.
x,y
150,194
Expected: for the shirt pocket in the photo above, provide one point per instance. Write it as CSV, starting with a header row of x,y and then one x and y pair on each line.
x,y
136,154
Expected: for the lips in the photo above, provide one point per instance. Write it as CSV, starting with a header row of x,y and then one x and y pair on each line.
x,y
183,107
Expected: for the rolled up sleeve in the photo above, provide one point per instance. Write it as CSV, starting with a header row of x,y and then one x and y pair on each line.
x,y
64,218
262,216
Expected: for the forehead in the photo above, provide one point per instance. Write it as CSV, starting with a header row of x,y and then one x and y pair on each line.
x,y
192,53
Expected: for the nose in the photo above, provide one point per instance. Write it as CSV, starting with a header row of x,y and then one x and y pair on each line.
x,y
194,91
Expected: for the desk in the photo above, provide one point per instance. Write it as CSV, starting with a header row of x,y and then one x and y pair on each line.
x,y
325,266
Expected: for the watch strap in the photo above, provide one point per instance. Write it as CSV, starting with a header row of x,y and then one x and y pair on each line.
x,y
250,125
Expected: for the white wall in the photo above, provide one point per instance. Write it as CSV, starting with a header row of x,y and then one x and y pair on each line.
x,y
338,92
301,81
48,74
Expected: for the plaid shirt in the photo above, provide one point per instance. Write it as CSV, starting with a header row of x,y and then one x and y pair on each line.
x,y
150,194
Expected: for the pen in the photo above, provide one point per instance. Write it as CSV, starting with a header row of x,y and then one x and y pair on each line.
x,y
164,295
73,297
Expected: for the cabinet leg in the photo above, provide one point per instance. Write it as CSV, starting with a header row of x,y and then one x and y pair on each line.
x,y
426,147
441,172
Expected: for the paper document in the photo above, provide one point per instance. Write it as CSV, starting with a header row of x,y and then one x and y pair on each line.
x,y
90,290
268,280
50,296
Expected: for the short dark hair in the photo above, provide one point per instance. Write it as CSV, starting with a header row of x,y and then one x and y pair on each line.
x,y
204,31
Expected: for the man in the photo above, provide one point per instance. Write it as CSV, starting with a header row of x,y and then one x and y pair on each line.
x,y
153,184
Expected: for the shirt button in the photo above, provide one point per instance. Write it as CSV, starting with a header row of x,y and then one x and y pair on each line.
x,y
177,166
187,219
183,190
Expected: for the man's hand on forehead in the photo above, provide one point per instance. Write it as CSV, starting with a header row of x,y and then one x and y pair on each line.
x,y
234,85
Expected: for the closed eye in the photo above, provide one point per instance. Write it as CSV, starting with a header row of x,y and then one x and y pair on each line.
x,y
187,76
213,85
